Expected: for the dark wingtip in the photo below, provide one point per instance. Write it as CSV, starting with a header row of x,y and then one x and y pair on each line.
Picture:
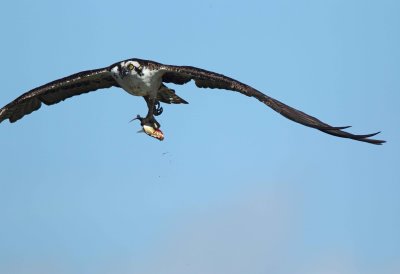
x,y
332,128
364,138
342,127
372,141
361,138
367,135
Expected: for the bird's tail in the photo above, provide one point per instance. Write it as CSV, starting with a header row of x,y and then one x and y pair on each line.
x,y
168,96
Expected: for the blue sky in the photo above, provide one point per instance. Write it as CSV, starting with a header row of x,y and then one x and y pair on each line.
x,y
234,187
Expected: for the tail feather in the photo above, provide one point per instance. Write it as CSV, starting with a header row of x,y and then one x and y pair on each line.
x,y
168,96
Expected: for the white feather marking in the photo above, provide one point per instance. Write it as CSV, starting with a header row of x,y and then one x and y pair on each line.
x,y
145,83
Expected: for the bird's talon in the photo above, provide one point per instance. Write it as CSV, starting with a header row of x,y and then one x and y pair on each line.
x,y
151,127
158,109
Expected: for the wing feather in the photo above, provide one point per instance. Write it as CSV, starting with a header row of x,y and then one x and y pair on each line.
x,y
57,91
207,79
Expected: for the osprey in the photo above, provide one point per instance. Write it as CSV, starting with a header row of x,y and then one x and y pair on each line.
x,y
147,79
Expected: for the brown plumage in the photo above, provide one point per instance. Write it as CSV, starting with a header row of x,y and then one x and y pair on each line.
x,y
91,80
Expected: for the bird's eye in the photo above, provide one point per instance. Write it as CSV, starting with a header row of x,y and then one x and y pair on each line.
x,y
131,66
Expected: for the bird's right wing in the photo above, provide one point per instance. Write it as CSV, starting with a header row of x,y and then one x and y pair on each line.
x,y
57,91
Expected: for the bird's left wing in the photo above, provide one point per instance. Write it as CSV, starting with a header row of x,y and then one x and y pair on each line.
x,y
207,79
57,91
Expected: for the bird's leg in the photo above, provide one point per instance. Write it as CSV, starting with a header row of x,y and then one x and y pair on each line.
x,y
154,110
154,105
149,124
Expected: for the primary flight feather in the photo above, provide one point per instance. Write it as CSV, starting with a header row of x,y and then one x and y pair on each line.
x,y
146,78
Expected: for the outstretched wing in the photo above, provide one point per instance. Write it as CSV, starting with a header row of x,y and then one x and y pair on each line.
x,y
207,79
57,91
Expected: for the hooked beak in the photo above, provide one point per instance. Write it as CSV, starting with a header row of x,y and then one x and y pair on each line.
x,y
124,72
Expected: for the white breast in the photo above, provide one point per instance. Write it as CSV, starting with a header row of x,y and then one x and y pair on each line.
x,y
146,84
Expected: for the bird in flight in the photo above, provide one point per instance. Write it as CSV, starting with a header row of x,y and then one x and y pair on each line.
x,y
147,79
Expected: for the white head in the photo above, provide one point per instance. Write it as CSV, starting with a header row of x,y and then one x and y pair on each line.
x,y
125,68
